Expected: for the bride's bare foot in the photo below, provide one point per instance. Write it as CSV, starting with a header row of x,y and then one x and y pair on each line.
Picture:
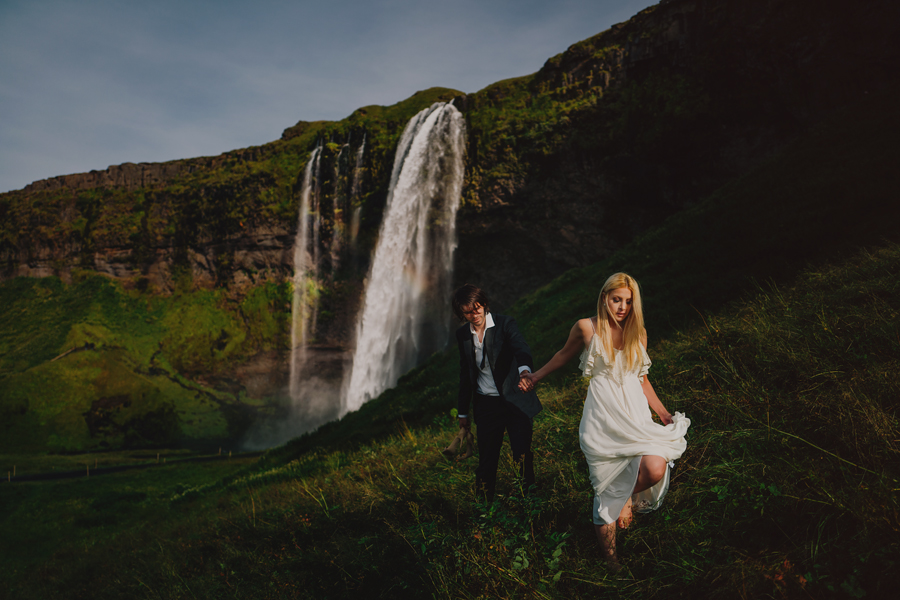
x,y
614,565
625,515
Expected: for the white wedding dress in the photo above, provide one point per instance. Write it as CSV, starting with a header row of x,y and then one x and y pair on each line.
x,y
617,429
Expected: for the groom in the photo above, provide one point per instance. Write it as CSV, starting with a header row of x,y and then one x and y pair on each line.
x,y
493,356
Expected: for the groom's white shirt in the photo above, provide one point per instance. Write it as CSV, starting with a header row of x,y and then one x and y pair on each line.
x,y
485,384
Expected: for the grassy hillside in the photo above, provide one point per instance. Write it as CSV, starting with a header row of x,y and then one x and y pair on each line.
x,y
786,489
125,364
770,327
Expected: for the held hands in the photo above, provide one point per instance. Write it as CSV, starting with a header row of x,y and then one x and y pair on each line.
x,y
526,381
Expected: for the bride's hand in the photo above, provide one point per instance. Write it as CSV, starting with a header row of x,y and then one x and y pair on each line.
x,y
525,382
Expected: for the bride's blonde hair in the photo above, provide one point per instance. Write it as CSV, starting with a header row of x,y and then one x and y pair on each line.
x,y
633,327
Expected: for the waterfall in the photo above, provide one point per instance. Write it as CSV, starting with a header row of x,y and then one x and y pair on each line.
x,y
303,306
406,314
315,197
354,194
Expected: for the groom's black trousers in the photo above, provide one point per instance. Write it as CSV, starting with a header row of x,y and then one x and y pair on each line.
x,y
493,416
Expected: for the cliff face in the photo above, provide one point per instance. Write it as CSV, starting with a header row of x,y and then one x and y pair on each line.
x,y
265,248
94,221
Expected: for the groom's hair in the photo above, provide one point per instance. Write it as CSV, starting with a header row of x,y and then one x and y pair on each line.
x,y
466,296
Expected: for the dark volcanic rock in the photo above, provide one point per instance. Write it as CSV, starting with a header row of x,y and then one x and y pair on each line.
x,y
128,176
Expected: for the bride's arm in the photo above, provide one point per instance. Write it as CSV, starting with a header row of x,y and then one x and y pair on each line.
x,y
574,345
652,399
655,403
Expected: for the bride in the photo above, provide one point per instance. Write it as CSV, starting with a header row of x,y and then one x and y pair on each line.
x,y
629,455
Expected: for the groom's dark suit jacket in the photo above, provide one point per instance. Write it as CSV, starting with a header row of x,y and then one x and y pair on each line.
x,y
506,351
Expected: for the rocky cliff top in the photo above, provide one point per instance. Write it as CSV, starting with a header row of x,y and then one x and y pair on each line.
x,y
134,176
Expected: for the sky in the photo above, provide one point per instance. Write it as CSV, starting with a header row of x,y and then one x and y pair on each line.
x,y
85,84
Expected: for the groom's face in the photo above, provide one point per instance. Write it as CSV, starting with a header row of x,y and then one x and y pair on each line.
x,y
474,314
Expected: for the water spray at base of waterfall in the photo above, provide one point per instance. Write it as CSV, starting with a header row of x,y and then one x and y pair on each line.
x,y
317,403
